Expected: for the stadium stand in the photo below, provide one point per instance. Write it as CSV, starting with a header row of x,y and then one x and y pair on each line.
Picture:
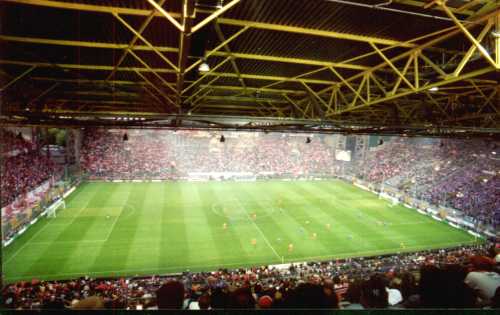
x,y
152,154
22,168
429,168
462,277
229,90
461,174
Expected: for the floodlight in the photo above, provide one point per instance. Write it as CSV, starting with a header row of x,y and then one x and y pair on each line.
x,y
204,67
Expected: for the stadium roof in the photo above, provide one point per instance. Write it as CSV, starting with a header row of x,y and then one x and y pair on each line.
x,y
370,64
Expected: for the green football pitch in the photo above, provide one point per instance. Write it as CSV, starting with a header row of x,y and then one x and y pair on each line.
x,y
111,229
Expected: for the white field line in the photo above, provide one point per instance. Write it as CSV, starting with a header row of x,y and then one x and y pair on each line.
x,y
113,226
262,233
299,259
42,229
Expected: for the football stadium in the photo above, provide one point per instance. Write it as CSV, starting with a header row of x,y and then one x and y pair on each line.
x,y
250,154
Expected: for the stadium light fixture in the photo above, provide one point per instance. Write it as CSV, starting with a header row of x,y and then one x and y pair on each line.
x,y
204,67
434,89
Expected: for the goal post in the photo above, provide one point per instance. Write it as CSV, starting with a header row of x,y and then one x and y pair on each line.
x,y
52,209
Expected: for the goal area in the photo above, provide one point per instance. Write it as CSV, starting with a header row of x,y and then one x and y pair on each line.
x,y
52,210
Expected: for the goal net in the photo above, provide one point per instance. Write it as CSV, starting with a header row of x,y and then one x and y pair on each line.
x,y
51,211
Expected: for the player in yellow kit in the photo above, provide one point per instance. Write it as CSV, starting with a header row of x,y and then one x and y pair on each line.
x,y
254,242
224,226
290,247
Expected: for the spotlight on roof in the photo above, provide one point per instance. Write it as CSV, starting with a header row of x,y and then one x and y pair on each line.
x,y
308,140
204,67
434,89
222,139
125,137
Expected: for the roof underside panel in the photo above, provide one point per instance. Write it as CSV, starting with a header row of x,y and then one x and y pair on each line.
x,y
363,62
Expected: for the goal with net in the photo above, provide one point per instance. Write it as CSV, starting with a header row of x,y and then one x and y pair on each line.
x,y
51,211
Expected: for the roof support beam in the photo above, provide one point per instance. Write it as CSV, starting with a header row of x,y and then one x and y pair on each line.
x,y
315,32
220,35
167,84
163,70
254,89
472,49
297,106
400,75
311,91
464,30
184,46
137,34
143,77
44,92
419,50
87,7
216,49
344,81
497,40
279,79
167,15
468,5
420,4
214,15
133,41
210,73
421,89
214,52
202,88
20,76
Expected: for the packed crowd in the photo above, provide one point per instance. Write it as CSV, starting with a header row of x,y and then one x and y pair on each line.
x,y
463,174
165,154
12,144
23,168
464,277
